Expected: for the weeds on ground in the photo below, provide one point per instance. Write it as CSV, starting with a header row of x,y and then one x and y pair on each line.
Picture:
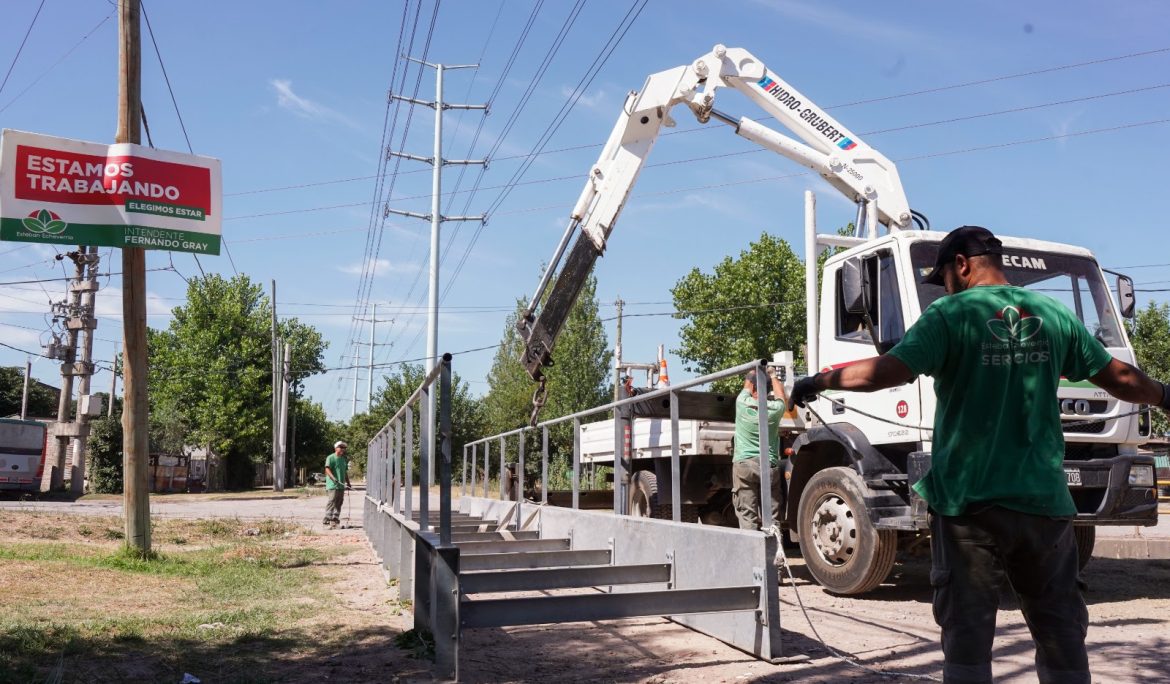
x,y
420,643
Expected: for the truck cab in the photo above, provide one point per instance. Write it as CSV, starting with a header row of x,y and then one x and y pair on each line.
x,y
864,465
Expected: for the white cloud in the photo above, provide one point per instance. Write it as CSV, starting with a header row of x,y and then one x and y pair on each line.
x,y
379,267
597,101
304,107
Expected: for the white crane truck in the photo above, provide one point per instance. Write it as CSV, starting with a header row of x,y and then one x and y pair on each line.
x,y
848,499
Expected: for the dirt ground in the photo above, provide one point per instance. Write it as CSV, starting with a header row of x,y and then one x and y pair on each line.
x,y
891,629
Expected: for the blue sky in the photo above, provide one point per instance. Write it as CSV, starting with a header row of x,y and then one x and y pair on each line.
x,y
291,96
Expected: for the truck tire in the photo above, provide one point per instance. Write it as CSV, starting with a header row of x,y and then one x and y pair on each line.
x,y
1086,536
644,500
842,549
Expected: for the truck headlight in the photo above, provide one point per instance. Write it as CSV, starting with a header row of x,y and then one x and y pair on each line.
x,y
1141,476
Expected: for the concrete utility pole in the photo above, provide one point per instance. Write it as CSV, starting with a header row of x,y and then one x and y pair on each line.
x,y
63,430
278,467
135,428
275,381
91,260
436,218
24,392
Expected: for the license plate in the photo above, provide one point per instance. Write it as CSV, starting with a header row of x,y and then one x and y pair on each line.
x,y
1073,475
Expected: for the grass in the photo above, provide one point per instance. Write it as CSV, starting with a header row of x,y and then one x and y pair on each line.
x,y
79,606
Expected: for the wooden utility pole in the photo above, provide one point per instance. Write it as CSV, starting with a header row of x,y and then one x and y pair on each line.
x,y
135,440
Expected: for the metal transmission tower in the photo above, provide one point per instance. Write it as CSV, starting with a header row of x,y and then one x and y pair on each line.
x,y
435,217
373,320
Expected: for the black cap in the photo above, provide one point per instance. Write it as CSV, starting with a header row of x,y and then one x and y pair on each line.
x,y
970,241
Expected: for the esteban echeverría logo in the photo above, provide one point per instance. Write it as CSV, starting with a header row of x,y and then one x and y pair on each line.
x,y
45,221
1010,325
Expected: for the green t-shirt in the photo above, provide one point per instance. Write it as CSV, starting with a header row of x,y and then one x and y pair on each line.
x,y
997,354
339,466
747,428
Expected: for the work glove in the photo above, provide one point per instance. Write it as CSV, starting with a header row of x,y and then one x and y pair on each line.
x,y
805,390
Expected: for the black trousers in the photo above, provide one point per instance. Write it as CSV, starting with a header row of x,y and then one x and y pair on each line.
x,y
971,557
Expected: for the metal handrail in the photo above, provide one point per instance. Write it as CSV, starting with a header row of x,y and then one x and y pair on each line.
x,y
391,457
655,394
760,368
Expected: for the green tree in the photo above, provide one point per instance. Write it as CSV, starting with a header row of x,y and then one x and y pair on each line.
x,y
1150,334
42,401
508,402
104,451
313,434
210,372
467,420
578,380
748,308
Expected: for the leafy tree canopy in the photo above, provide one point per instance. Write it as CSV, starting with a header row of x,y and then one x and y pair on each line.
x,y
210,372
466,416
1150,334
748,308
579,379
42,401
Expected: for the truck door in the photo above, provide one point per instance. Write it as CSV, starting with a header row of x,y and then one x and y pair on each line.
x,y
846,340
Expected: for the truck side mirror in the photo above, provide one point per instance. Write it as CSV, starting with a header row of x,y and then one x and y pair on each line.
x,y
1126,300
851,286
869,301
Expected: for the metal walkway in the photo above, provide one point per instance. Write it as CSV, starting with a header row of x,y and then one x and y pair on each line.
x,y
482,565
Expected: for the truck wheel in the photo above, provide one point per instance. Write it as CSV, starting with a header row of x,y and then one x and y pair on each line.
x,y
1086,536
644,495
844,552
644,500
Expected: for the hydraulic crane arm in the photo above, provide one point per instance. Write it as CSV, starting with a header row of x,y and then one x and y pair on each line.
x,y
858,171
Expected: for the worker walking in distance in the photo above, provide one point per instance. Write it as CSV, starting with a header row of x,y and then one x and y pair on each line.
x,y
999,501
745,465
336,482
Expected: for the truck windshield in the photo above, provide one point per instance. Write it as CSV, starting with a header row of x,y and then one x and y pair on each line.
x,y
1073,281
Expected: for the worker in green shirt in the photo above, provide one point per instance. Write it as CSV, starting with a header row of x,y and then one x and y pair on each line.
x,y
336,482
999,501
745,461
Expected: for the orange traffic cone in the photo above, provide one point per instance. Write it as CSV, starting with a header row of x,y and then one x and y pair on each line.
x,y
663,378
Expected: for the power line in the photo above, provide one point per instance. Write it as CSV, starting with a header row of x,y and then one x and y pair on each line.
x,y
21,48
54,65
374,233
914,93
507,187
995,79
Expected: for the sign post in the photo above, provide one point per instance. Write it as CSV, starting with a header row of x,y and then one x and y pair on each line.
x,y
61,191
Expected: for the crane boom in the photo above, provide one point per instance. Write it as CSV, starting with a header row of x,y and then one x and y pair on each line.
x,y
855,169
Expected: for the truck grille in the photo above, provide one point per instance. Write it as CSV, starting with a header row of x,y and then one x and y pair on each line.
x,y
1090,429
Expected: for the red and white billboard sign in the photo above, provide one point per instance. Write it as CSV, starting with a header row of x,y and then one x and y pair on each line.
x,y
61,191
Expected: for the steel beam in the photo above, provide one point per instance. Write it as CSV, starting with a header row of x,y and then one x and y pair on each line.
x,y
534,559
480,547
562,578
492,535
588,607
